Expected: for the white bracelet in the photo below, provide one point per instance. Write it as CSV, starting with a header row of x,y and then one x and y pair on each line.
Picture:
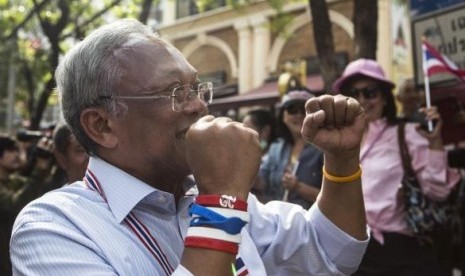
x,y
212,233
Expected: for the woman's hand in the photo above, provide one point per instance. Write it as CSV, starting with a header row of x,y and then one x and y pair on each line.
x,y
289,181
434,137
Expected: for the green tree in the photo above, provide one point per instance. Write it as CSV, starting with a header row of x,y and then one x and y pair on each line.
x,y
324,42
37,33
365,19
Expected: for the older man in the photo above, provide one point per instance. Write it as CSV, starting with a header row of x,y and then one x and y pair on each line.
x,y
138,108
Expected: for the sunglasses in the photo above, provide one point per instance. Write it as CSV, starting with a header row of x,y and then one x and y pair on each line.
x,y
296,108
370,92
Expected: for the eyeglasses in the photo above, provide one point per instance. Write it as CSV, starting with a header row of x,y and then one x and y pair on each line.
x,y
180,96
295,108
369,92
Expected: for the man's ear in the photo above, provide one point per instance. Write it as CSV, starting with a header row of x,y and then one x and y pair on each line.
x,y
96,123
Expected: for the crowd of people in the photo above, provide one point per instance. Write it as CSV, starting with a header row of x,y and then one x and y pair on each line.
x,y
140,180
31,164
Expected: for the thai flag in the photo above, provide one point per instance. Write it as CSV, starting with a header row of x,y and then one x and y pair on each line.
x,y
436,63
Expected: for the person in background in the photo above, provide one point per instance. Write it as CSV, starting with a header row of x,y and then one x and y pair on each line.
x,y
15,192
69,154
27,140
263,122
291,170
138,108
393,250
447,246
411,98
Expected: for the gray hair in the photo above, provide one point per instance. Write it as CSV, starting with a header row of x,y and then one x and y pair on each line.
x,y
89,71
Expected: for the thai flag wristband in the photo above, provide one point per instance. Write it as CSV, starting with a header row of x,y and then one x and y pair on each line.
x,y
222,201
213,244
213,233
217,221
207,217
229,213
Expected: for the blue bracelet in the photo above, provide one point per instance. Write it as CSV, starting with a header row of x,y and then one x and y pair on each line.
x,y
210,218
201,211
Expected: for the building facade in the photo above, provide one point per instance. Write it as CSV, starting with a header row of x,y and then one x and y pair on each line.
x,y
240,52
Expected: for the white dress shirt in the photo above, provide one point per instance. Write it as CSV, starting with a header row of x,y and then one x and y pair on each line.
x,y
76,231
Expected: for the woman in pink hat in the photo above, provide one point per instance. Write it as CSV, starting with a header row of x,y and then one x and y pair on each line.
x,y
393,250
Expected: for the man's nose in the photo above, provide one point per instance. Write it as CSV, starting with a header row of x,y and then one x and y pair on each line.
x,y
195,105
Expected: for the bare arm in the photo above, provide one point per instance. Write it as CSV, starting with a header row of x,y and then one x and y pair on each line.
x,y
224,157
335,124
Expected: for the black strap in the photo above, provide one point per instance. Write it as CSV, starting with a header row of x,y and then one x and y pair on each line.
x,y
404,153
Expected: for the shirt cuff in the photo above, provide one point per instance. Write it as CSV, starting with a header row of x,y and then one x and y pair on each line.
x,y
437,161
341,248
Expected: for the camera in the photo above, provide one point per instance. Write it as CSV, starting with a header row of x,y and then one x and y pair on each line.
x,y
41,153
28,135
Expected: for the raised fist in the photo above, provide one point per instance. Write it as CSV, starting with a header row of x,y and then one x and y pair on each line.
x,y
224,156
335,124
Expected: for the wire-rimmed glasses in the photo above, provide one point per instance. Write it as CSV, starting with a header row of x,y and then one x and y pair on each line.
x,y
180,96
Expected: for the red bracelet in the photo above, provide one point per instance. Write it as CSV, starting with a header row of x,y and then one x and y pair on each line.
x,y
223,201
218,245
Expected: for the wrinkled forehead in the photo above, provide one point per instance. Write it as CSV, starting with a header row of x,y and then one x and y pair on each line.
x,y
143,60
140,52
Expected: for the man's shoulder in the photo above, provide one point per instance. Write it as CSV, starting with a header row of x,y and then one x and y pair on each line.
x,y
57,205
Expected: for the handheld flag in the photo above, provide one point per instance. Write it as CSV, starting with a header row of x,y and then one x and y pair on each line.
x,y
436,63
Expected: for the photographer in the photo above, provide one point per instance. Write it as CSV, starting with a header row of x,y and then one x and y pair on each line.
x,y
26,139
33,145
16,191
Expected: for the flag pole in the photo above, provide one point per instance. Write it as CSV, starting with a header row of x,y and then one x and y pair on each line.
x,y
426,80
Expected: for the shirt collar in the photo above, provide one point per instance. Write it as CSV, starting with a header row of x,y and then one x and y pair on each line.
x,y
122,190
378,125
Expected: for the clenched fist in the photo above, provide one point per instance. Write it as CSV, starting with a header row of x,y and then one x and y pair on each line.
x,y
224,156
335,124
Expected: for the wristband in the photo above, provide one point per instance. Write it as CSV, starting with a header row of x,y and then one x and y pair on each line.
x,y
231,225
207,217
213,244
201,211
343,179
223,201
212,233
229,213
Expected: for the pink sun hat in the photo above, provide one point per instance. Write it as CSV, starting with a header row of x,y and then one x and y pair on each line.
x,y
364,67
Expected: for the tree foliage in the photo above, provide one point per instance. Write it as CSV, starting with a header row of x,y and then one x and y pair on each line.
x,y
36,32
